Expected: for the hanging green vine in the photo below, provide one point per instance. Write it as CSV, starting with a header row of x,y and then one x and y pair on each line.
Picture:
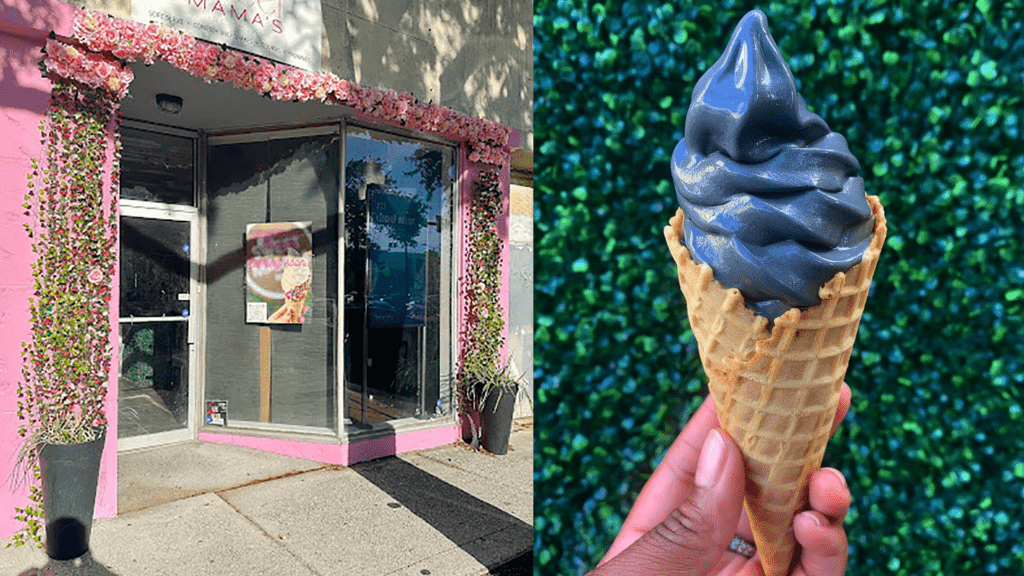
x,y
72,223
482,336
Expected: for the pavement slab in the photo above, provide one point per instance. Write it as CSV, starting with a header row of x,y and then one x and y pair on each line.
x,y
199,535
334,519
505,482
201,508
153,476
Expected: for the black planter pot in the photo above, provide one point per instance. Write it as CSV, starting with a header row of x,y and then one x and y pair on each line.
x,y
496,420
70,474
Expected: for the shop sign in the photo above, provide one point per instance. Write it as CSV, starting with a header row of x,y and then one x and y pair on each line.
x,y
278,272
287,31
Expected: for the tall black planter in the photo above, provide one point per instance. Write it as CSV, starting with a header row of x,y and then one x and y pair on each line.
x,y
70,474
496,419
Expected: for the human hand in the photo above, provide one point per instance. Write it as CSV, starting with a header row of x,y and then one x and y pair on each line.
x,y
692,506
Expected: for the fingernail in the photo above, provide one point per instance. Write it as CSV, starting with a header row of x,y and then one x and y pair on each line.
x,y
837,474
814,518
712,460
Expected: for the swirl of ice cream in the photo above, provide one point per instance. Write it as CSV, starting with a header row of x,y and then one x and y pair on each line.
x,y
296,273
772,198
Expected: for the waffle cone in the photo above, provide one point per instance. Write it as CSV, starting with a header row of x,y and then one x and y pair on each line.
x,y
776,391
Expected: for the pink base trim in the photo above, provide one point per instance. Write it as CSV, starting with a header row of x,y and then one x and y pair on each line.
x,y
342,454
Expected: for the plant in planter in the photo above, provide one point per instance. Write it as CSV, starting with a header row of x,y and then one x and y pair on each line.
x,y
498,391
483,377
66,364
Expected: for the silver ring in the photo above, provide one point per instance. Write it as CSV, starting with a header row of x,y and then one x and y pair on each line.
x,y
742,546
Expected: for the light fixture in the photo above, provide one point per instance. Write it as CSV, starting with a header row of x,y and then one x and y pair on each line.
x,y
169,103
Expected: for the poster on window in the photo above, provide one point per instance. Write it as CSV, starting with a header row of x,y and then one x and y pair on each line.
x,y
278,272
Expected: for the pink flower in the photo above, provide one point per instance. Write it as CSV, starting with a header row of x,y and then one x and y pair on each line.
x,y
167,41
343,90
86,24
229,60
265,78
95,275
129,41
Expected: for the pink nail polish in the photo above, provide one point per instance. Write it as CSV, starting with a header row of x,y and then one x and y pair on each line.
x,y
816,518
712,460
837,474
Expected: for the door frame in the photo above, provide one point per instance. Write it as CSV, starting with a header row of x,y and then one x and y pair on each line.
x,y
158,211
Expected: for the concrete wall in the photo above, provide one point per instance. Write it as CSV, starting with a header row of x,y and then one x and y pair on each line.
x,y
520,302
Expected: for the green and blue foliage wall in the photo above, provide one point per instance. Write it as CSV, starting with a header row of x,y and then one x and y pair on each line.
x,y
929,96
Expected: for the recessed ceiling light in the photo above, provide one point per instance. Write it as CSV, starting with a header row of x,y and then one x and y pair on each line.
x,y
169,103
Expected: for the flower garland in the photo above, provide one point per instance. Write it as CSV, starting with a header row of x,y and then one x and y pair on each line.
x,y
112,39
66,364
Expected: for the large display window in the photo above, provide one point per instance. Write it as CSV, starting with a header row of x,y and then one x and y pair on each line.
x,y
397,277
322,261
261,373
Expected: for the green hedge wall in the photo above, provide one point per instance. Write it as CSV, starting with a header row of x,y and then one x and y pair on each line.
x,y
928,94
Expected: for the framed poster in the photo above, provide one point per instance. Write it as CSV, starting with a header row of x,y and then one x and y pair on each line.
x,y
278,272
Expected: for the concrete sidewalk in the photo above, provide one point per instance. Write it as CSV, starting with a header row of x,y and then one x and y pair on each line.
x,y
201,508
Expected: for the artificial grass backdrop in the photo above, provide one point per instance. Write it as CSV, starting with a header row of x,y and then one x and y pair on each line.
x,y
928,95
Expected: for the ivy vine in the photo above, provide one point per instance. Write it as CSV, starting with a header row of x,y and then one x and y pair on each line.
x,y
482,335
72,222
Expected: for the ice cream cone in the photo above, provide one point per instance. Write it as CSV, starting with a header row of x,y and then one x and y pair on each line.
x,y
776,391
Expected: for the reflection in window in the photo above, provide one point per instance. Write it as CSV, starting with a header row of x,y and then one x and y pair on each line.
x,y
397,220
157,167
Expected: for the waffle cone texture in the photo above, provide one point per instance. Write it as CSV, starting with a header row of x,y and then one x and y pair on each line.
x,y
776,391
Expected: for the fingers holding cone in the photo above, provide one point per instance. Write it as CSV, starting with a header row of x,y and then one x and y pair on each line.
x,y
820,532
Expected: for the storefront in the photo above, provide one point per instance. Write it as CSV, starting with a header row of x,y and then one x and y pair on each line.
x,y
373,350
289,248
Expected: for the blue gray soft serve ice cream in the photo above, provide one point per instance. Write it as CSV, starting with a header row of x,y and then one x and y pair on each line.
x,y
772,197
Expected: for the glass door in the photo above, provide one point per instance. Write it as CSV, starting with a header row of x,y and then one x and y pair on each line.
x,y
157,332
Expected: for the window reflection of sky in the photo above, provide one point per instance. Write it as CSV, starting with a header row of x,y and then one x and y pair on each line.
x,y
397,160
404,184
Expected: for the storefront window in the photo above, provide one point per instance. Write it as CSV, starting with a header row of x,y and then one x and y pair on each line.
x,y
397,274
265,373
157,167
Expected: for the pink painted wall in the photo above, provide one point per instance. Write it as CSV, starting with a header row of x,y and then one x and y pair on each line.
x,y
342,454
24,98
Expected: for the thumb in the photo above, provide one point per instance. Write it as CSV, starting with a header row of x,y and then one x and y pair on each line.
x,y
693,538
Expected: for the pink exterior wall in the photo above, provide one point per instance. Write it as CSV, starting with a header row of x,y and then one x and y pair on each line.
x,y
24,98
342,454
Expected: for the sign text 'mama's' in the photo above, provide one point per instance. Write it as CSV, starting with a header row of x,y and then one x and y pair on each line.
x,y
256,18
